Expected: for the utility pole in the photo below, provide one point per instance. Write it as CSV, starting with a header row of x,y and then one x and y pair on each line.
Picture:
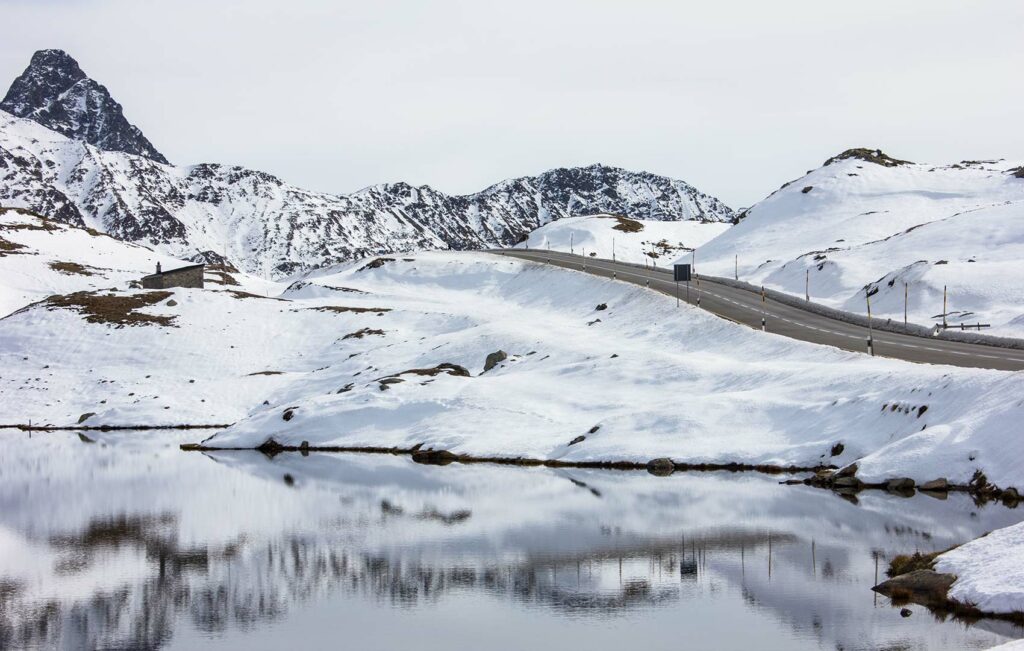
x,y
613,249
570,243
807,286
698,291
906,295
871,337
944,307
764,313
736,268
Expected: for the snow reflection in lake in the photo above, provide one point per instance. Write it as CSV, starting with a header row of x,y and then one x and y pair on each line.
x,y
128,542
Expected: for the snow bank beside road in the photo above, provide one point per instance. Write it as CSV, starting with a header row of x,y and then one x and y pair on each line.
x,y
653,379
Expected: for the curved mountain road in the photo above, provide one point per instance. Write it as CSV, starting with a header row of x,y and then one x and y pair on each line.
x,y
744,306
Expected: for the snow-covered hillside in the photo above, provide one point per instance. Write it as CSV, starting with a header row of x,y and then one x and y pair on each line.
x,y
357,356
867,223
631,240
40,257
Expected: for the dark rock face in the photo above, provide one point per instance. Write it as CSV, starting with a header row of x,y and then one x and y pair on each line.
x,y
56,93
494,359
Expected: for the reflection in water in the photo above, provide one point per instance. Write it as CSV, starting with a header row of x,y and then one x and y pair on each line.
x,y
133,544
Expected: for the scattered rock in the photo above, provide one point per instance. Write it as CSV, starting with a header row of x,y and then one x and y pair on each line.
x,y
662,466
590,323
289,480
593,430
494,359
936,485
578,439
86,416
900,485
172,303
391,380
304,445
906,612
1010,496
289,413
85,439
601,306
837,449
807,189
614,355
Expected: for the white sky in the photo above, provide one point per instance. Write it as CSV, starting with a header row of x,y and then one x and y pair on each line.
x,y
735,97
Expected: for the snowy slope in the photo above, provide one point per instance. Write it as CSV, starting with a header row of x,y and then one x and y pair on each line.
x,y
989,572
867,223
631,240
271,228
40,257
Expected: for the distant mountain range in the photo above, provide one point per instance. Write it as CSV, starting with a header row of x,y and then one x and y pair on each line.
x,y
67,151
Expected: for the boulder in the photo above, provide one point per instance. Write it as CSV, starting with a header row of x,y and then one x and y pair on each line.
x,y
662,466
601,306
925,587
86,416
434,457
940,485
494,359
900,485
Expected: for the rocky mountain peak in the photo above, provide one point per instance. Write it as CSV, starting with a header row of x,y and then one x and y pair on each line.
x,y
55,92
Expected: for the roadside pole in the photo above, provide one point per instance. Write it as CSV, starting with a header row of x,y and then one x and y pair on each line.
x,y
871,337
764,312
943,307
807,286
906,294
613,249
698,291
570,244
736,267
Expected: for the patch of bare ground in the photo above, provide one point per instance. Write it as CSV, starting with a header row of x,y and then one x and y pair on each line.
x,y
434,371
363,332
341,309
72,269
240,295
220,274
376,263
114,309
8,247
876,156
625,224
266,373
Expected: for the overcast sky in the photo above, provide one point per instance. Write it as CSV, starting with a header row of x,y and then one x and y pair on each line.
x,y
735,97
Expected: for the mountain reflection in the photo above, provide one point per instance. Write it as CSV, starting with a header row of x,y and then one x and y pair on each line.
x,y
118,548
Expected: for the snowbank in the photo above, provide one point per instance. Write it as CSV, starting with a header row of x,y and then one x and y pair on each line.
x,y
638,380
631,240
989,571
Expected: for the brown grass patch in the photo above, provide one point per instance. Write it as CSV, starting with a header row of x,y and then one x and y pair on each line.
x,y
219,275
236,293
450,369
905,563
72,269
113,309
8,247
341,309
627,225
359,334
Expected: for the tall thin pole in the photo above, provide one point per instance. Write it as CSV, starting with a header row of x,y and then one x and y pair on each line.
x,y
807,286
698,291
736,268
871,343
570,243
764,313
906,295
613,249
943,306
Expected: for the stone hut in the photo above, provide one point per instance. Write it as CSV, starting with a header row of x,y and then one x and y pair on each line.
x,y
191,276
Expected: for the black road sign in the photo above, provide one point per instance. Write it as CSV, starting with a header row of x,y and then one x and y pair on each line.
x,y
681,272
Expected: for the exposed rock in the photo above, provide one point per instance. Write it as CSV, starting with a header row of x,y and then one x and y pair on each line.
x,y
662,466
906,612
837,449
940,484
848,471
578,439
86,416
601,306
289,413
434,457
900,485
289,480
920,586
172,303
807,189
494,359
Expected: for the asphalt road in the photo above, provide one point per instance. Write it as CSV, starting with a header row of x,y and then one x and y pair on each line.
x,y
745,307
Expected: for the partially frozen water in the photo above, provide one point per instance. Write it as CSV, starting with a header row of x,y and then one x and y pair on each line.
x,y
127,542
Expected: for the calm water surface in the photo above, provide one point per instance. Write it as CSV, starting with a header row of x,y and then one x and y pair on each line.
x,y
126,542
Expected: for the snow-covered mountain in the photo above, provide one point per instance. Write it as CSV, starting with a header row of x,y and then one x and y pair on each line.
x,y
868,223
56,93
267,226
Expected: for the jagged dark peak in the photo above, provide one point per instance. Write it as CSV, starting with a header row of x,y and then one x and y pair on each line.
x,y
55,92
876,156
